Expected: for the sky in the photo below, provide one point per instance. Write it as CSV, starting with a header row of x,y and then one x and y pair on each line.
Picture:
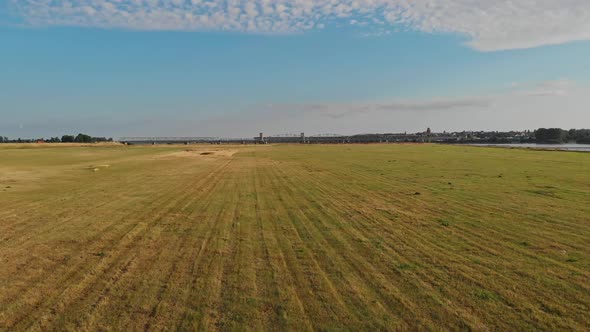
x,y
234,68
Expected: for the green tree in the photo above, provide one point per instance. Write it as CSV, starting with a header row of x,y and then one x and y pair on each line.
x,y
67,139
583,136
83,138
551,135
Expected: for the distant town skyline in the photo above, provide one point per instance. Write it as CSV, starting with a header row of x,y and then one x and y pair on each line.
x,y
235,68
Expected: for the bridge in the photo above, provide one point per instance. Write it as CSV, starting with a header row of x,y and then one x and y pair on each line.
x,y
290,138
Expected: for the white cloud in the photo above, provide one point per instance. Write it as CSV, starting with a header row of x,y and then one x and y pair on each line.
x,y
488,25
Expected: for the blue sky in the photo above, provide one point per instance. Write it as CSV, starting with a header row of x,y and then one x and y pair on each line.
x,y
145,68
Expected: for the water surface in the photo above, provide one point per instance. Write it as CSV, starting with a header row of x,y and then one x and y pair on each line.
x,y
562,147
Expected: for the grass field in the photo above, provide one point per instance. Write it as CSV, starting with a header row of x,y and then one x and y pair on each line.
x,y
348,237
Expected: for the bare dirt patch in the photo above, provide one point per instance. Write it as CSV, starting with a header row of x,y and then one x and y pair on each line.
x,y
96,168
199,153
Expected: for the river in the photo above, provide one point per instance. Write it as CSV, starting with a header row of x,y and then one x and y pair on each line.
x,y
562,147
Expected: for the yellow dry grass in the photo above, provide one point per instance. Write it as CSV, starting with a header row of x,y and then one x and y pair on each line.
x,y
349,237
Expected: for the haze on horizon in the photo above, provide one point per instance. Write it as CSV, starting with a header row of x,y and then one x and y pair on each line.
x,y
233,68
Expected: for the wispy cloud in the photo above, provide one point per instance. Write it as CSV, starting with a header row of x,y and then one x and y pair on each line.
x,y
339,110
521,91
551,88
489,25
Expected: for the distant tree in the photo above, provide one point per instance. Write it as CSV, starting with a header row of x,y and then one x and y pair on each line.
x,y
571,135
583,136
83,138
67,139
551,135
100,139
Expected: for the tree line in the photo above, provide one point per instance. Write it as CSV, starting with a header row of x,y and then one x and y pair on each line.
x,y
558,136
541,135
80,138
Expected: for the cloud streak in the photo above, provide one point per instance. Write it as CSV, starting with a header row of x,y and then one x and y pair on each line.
x,y
489,25
337,110
551,88
530,91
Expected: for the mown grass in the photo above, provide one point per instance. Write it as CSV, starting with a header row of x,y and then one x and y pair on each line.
x,y
348,237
